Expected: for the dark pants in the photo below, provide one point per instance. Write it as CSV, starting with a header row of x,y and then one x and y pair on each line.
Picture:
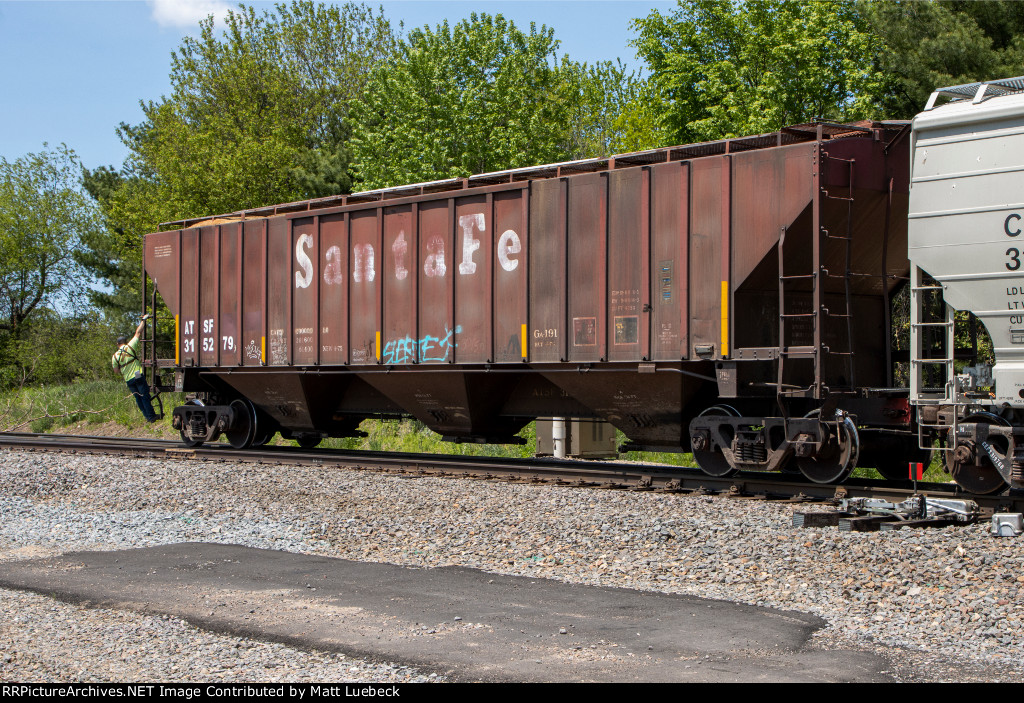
x,y
140,389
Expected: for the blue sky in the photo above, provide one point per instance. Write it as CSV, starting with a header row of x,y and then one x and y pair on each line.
x,y
72,70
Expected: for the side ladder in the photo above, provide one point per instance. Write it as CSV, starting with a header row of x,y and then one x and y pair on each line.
x,y
786,351
150,363
817,276
847,238
932,349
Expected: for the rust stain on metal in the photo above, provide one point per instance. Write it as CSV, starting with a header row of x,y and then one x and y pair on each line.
x,y
426,300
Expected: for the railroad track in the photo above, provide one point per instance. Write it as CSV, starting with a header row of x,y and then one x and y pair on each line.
x,y
585,474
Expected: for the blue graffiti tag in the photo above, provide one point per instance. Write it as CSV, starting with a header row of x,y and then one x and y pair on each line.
x,y
429,348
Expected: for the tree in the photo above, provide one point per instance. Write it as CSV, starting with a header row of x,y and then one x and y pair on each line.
x,y
929,45
110,254
481,96
257,115
58,349
639,125
44,214
607,110
727,69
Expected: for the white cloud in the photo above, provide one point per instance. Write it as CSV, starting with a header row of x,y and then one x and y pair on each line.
x,y
186,13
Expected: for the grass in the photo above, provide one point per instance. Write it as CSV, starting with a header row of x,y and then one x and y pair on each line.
x,y
935,472
414,437
51,408
673,459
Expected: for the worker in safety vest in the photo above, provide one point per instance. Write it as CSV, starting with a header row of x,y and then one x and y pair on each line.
x,y
126,362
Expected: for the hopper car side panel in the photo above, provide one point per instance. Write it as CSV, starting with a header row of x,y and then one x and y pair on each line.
x,y
304,284
709,303
627,293
778,182
209,296
432,268
668,268
279,292
510,338
472,272
548,271
332,281
587,255
189,329
230,300
620,263
364,287
252,342
400,327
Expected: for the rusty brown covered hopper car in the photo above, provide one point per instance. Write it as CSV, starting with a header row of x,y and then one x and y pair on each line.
x,y
641,289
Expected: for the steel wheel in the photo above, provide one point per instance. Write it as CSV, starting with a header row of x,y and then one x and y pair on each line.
x,y
308,441
837,458
186,436
243,435
983,479
266,435
713,461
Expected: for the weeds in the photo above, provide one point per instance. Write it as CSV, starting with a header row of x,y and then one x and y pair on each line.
x,y
412,436
49,408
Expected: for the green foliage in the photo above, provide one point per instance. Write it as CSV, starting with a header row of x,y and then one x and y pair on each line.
x,y
46,335
670,458
479,97
44,213
51,408
256,115
929,45
934,472
483,96
414,437
639,125
604,100
57,350
109,254
729,69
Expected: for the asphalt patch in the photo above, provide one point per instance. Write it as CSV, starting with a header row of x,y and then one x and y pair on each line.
x,y
468,624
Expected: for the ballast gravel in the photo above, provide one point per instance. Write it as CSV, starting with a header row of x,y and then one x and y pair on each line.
x,y
942,604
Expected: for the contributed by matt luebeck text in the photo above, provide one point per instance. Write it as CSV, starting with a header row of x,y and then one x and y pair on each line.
x,y
308,691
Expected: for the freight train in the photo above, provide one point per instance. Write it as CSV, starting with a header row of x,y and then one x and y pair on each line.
x,y
733,299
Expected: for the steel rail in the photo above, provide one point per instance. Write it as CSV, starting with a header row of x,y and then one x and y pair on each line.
x,y
785,487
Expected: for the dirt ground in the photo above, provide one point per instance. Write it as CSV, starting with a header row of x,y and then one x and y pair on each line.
x,y
158,430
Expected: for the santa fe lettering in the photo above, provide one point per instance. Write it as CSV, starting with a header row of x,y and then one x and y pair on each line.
x,y
356,691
